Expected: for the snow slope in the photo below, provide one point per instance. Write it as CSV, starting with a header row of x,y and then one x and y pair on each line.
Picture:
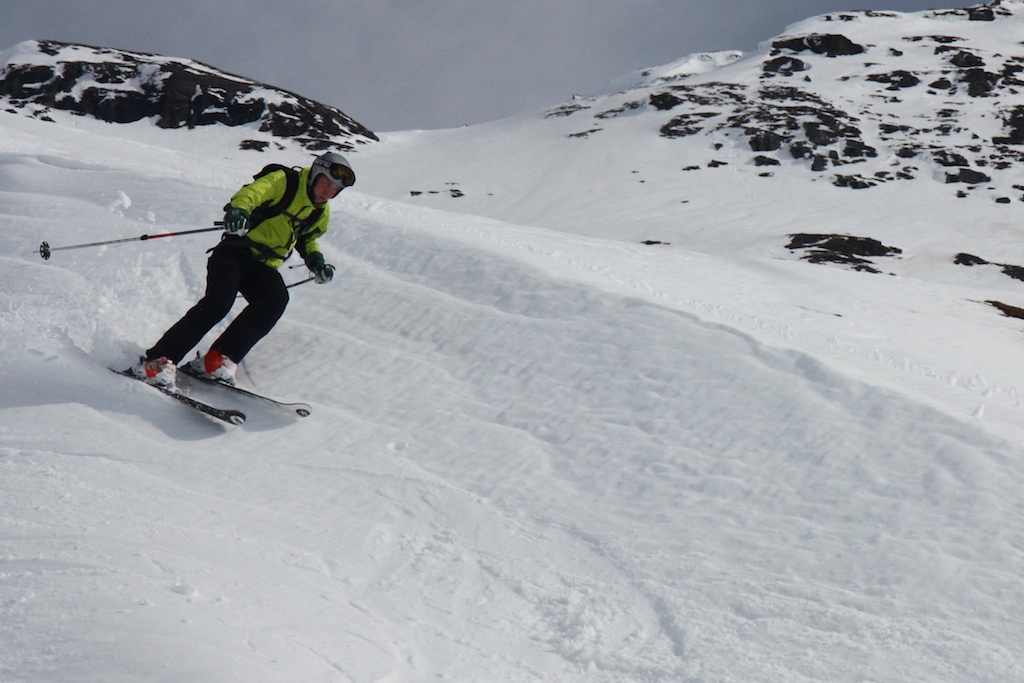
x,y
540,450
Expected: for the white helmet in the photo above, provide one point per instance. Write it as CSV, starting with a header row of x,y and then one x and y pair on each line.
x,y
335,167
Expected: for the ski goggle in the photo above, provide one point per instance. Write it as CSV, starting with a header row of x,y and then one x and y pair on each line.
x,y
341,175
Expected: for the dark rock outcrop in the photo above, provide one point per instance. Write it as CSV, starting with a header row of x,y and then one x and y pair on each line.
x,y
118,86
831,45
855,252
1008,269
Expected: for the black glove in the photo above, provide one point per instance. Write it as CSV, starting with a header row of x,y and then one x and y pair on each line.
x,y
322,272
236,221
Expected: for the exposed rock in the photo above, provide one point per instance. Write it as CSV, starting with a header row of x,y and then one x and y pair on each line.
x,y
854,182
963,259
1015,272
944,157
687,124
969,176
830,45
980,83
842,249
965,59
1007,310
664,101
627,107
981,13
896,80
763,140
1013,120
786,66
566,110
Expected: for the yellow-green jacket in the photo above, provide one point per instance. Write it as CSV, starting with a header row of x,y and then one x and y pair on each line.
x,y
286,231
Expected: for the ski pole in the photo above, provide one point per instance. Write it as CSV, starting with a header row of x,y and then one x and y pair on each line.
x,y
45,249
300,282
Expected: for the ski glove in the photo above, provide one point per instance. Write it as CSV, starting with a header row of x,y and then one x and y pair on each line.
x,y
322,272
236,221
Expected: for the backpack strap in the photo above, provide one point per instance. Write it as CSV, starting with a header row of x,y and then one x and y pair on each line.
x,y
242,241
271,209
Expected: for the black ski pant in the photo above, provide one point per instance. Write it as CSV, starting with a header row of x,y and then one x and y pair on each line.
x,y
230,270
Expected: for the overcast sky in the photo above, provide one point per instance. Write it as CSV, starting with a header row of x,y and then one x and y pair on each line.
x,y
421,64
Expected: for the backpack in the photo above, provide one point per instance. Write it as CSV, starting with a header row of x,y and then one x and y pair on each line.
x,y
270,209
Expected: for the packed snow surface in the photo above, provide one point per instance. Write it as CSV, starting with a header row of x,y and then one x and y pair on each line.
x,y
541,449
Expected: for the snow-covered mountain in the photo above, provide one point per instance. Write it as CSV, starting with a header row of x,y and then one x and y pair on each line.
x,y
120,86
861,98
919,104
583,410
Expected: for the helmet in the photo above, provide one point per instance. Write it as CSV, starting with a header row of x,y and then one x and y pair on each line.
x,y
335,167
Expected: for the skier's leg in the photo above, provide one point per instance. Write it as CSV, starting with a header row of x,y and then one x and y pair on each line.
x,y
264,289
224,275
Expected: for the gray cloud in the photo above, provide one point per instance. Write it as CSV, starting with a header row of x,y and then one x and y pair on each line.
x,y
405,64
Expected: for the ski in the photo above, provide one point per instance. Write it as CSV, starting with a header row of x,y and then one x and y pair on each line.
x,y
300,409
235,417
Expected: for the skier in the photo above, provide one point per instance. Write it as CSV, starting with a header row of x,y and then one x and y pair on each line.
x,y
280,211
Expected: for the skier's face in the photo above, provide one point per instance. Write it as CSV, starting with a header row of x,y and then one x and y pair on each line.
x,y
324,189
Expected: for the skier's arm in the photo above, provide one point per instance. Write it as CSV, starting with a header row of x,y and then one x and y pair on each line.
x,y
309,250
268,188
